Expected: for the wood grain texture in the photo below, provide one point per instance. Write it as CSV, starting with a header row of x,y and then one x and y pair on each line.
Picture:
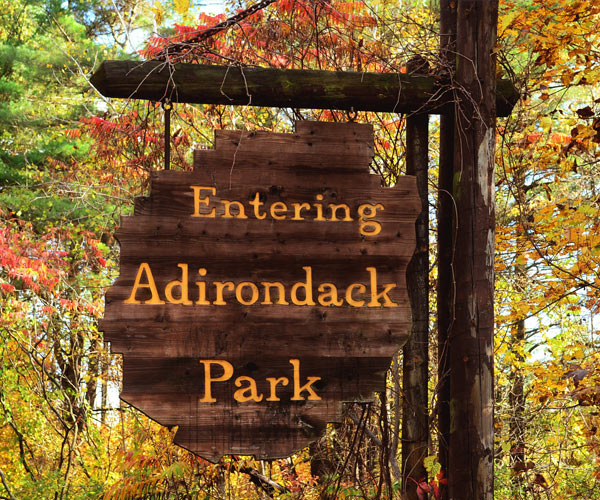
x,y
471,449
294,88
345,346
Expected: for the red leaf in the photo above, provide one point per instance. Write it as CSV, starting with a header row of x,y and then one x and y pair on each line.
x,y
422,490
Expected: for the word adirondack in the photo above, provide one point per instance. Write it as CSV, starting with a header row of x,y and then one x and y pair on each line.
x,y
262,290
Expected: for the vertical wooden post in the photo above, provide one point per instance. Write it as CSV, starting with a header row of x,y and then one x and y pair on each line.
x,y
415,421
471,355
445,214
167,106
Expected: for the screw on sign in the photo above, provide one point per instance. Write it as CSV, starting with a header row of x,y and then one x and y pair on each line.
x,y
262,290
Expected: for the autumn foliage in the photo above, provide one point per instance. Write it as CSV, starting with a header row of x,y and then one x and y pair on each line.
x,y
71,163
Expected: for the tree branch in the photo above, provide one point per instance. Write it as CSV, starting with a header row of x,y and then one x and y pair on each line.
x,y
266,484
6,487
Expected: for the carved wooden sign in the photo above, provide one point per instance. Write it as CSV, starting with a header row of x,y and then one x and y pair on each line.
x,y
262,290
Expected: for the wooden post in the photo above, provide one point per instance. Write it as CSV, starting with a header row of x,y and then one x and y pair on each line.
x,y
415,421
471,335
445,213
167,136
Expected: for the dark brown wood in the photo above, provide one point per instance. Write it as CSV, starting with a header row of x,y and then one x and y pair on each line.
x,y
415,368
471,447
445,249
253,86
348,346
167,136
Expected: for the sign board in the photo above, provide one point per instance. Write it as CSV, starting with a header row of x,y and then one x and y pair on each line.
x,y
262,290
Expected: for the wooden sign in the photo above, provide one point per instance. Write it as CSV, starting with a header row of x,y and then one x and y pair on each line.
x,y
262,290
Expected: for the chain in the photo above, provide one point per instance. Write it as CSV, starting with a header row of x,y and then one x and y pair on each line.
x,y
176,48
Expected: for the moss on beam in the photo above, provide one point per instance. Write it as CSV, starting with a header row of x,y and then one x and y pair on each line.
x,y
343,90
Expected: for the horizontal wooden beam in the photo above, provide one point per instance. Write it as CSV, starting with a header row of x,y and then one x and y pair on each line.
x,y
291,88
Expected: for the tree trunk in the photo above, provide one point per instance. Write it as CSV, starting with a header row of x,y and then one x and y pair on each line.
x,y
104,373
471,463
94,369
517,425
445,214
516,432
415,418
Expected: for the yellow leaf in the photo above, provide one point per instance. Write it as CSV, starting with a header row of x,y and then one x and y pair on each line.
x,y
157,10
505,20
182,6
432,465
546,123
578,353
